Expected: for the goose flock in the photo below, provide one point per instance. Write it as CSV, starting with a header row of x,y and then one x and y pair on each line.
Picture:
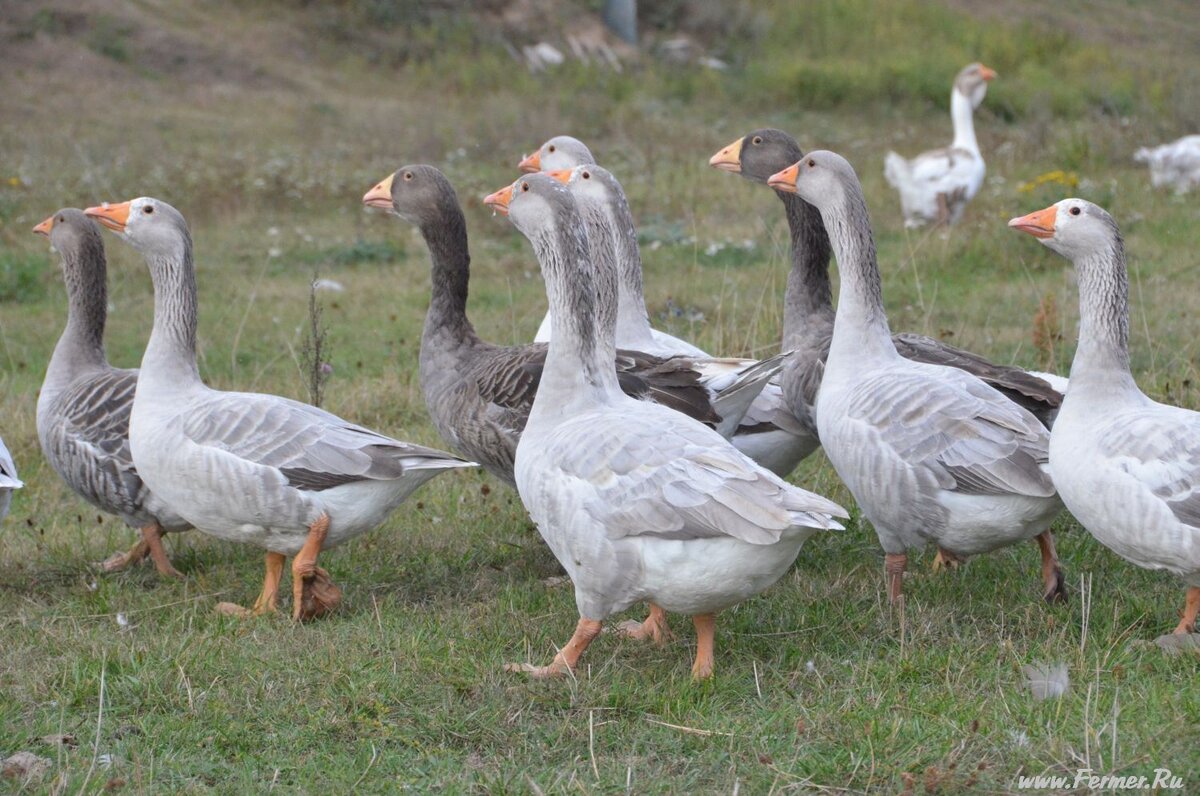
x,y
653,470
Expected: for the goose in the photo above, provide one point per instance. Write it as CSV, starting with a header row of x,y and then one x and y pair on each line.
x,y
808,313
560,152
769,433
479,394
936,185
251,468
1176,164
1126,466
9,482
636,502
931,453
84,405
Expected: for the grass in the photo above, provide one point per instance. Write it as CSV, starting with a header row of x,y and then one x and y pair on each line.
x,y
819,684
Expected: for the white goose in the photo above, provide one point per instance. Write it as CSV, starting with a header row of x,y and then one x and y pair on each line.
x,y
937,185
1176,164
246,467
84,404
8,480
1126,466
637,502
931,453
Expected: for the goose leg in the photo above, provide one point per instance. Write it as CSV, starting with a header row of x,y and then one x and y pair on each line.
x,y
654,628
1190,610
567,657
152,535
1055,590
894,565
118,561
946,560
314,593
268,599
706,631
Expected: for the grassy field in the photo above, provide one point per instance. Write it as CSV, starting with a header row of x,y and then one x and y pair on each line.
x,y
265,124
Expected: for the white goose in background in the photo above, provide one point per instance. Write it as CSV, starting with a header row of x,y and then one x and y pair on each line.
x,y
937,185
8,480
1176,164
247,467
1126,466
84,404
931,453
637,502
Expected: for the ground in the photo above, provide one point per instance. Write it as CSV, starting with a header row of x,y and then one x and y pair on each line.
x,y
265,124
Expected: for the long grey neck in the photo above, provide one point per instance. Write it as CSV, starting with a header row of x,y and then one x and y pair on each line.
x,y
81,346
450,275
170,358
604,270
633,323
1102,358
861,327
579,364
963,117
808,303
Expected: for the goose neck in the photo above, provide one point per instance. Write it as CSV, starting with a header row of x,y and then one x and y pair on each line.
x,y
450,275
963,117
808,302
81,346
861,327
1102,357
633,322
170,357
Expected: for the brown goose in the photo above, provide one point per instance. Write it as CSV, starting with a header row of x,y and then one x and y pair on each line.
x,y
479,394
84,405
808,303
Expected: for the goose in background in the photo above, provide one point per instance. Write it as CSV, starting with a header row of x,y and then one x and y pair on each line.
x,y
84,404
9,482
930,453
1176,164
808,313
1126,466
246,467
479,394
560,152
637,502
937,185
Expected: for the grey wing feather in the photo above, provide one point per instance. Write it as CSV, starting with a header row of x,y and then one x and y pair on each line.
x,y
1163,453
957,431
8,470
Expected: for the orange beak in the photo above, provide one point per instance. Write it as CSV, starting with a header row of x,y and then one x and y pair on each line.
x,y
728,159
531,164
115,217
785,181
987,73
45,227
562,175
380,195
499,200
1039,224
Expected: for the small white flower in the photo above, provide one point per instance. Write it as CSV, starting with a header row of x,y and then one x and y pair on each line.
x,y
274,251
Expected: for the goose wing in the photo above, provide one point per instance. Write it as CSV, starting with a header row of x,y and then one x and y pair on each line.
x,y
1160,447
943,169
8,470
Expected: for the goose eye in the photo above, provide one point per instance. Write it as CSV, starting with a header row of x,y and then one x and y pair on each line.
x,y
408,175
148,209
550,148
757,139
812,164
587,175
524,186
59,221
1074,211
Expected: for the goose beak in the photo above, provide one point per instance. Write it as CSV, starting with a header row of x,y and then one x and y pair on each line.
x,y
729,159
499,200
562,175
45,227
987,73
785,181
1039,224
381,195
531,164
115,217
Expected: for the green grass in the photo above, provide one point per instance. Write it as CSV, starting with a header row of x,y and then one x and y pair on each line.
x,y
404,688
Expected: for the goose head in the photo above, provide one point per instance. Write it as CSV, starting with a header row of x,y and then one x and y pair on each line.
x,y
150,225
972,82
69,230
534,203
590,184
758,154
419,194
560,152
1074,228
819,178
